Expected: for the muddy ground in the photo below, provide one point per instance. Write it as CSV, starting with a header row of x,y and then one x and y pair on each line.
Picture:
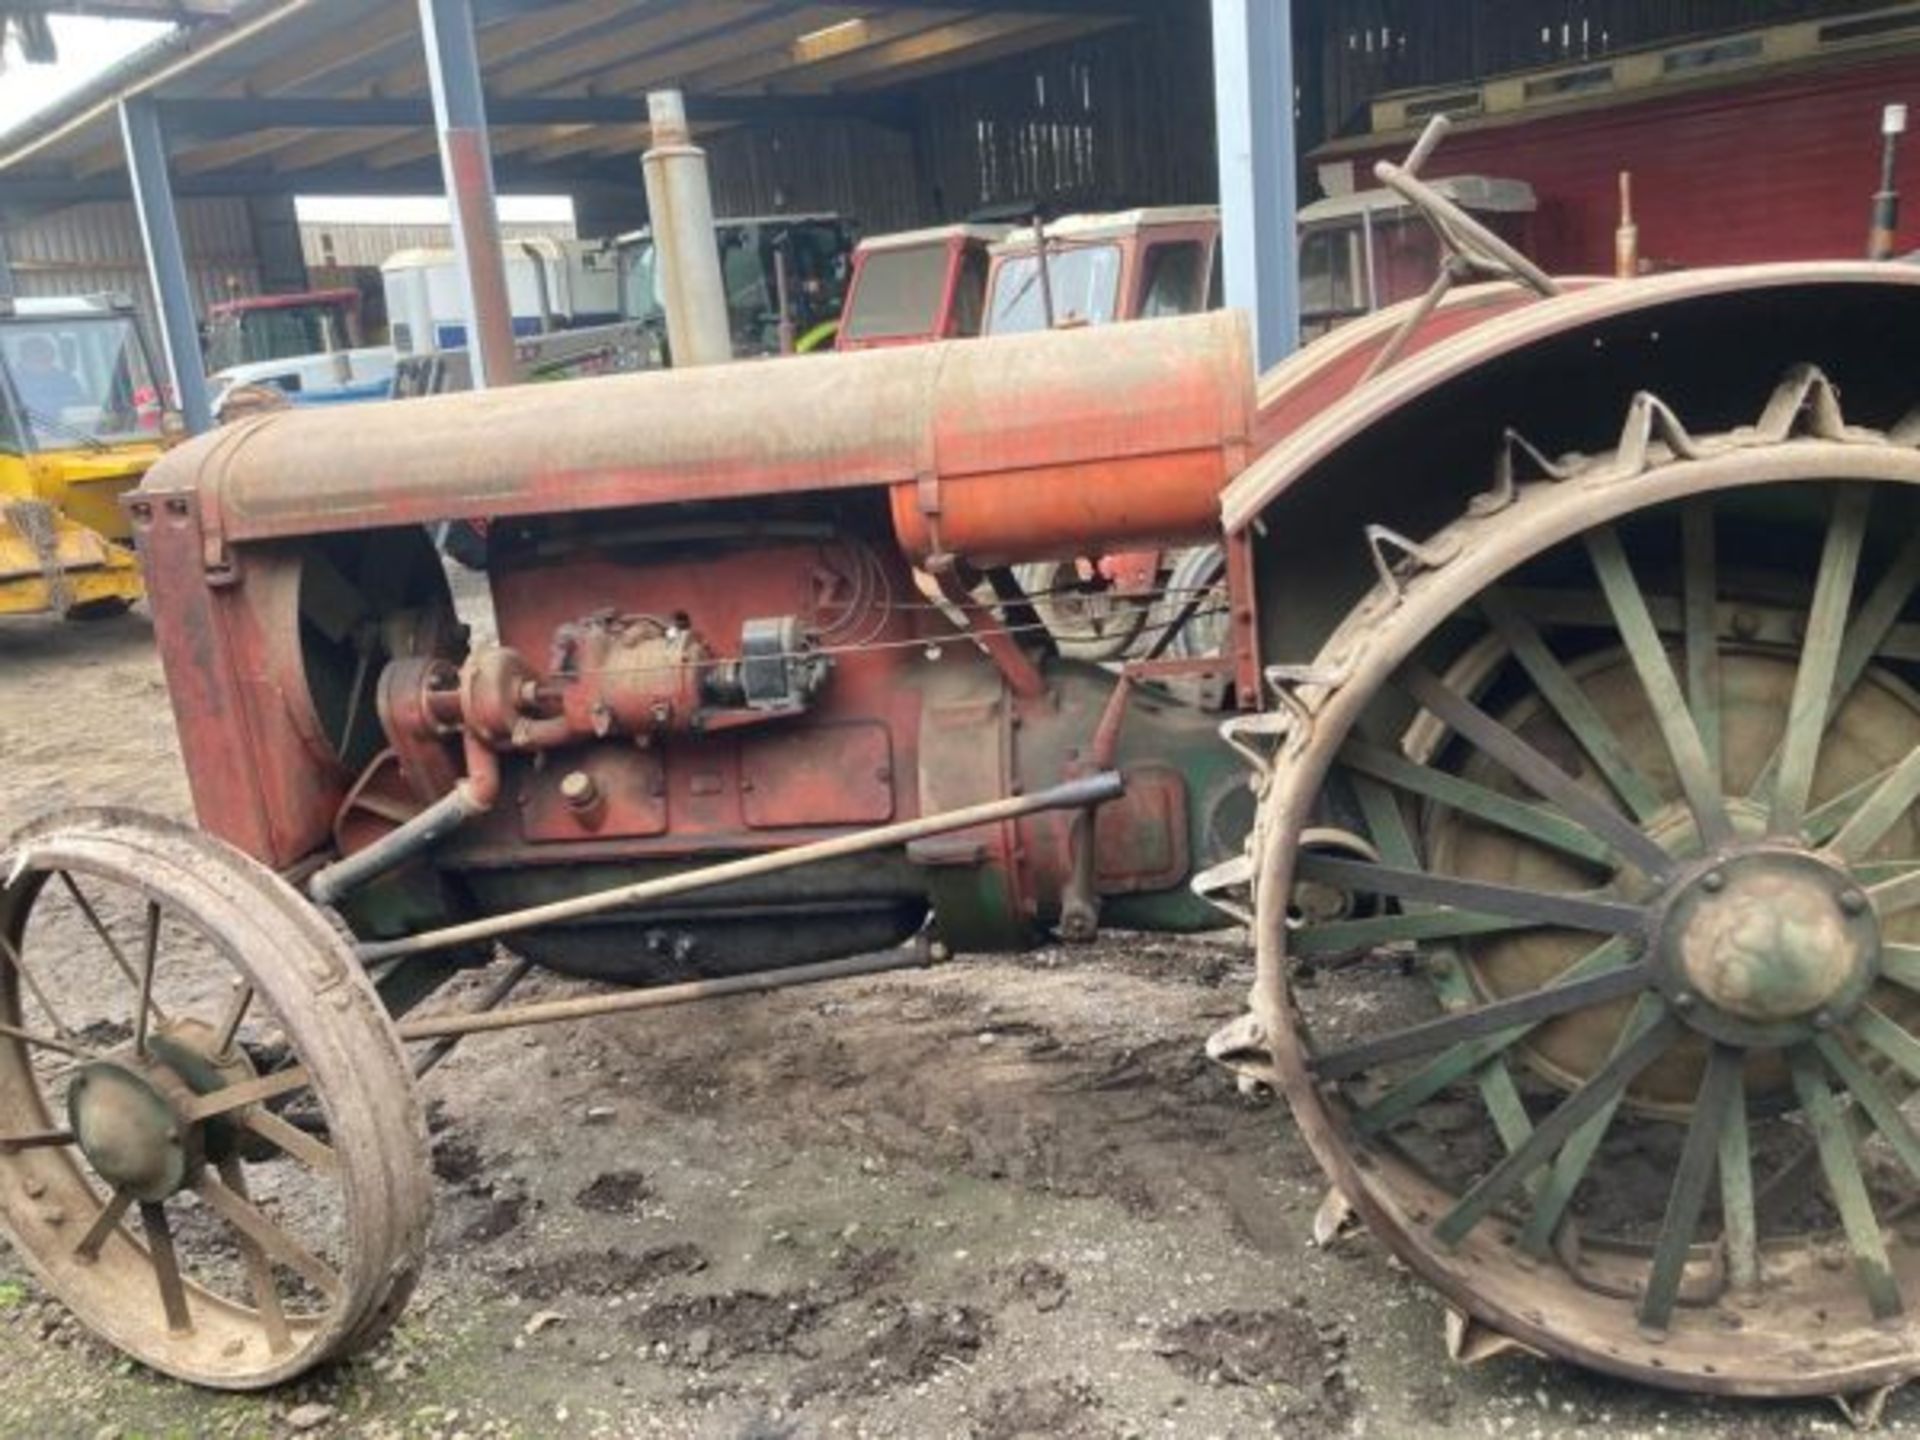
x,y
1005,1199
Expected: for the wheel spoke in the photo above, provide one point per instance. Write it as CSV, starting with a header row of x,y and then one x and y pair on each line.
x,y
266,1293
166,1265
1462,1059
1570,703
1881,810
1892,897
229,1022
1741,1232
1699,777
1813,684
19,964
1845,1185
1529,1009
1531,822
1388,826
1538,907
250,1092
1901,964
1890,1038
104,1224
1718,1088
36,1140
1344,937
1551,1133
1533,769
1570,1165
1701,621
244,1217
309,1151
99,928
48,1042
149,952
1880,1107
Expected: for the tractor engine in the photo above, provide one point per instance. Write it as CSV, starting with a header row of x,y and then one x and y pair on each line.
x,y
734,611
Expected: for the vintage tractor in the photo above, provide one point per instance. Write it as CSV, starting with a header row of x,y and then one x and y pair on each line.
x,y
1565,780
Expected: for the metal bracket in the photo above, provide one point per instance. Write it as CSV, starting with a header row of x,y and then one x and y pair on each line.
x,y
1806,402
1506,480
1649,417
1422,557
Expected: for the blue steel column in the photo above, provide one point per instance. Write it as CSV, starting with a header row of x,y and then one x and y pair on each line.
x,y
466,162
1253,105
146,148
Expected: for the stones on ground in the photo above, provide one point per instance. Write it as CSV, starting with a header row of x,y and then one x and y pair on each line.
x,y
616,1192
310,1416
600,1115
542,1320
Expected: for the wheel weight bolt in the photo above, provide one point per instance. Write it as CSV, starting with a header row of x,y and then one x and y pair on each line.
x,y
1714,882
1685,1000
1853,902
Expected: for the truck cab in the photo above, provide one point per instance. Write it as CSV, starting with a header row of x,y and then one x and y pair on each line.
x,y
80,421
306,346
1134,265
1364,250
785,278
919,286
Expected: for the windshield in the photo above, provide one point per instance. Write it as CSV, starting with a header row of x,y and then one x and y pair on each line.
x,y
899,292
1085,281
75,380
248,336
640,282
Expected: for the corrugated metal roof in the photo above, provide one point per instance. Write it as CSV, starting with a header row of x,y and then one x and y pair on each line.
x,y
565,82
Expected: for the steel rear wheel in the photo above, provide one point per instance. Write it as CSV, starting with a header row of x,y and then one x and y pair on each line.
x,y
210,1149
1617,1052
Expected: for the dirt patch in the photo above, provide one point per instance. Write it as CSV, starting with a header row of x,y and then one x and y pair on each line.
x,y
617,1192
604,1272
911,1343
457,1160
1041,1285
499,1215
1050,1410
710,1330
1276,1350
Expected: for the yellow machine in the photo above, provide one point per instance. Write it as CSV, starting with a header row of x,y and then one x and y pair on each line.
x,y
79,425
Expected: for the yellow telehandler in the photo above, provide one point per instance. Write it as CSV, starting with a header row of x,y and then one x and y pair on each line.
x,y
80,423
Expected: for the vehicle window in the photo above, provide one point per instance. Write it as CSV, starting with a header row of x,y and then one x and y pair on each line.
x,y
899,293
1331,286
1085,281
970,293
818,272
1217,278
1174,274
640,282
78,380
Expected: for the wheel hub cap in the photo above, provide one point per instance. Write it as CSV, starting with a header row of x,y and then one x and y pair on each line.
x,y
1764,940
129,1128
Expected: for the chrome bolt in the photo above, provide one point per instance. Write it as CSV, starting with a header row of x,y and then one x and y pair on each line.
x,y
1685,1000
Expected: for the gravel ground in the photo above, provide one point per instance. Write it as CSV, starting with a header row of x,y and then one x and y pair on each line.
x,y
1006,1199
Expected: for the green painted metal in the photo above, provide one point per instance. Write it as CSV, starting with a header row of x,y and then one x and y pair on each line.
x,y
1881,1108
1882,810
1563,693
1845,1185
1813,684
1531,822
1551,1133
1453,1064
1740,1228
1498,1092
1570,1165
1701,624
1699,776
1343,937
1718,1087
1890,1038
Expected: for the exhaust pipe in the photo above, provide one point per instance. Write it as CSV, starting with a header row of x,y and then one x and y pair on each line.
x,y
681,201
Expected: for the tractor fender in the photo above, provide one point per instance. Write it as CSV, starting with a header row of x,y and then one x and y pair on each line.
x,y
1498,385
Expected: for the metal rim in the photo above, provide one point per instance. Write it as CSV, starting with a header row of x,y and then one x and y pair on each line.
x,y
1729,1306
212,1154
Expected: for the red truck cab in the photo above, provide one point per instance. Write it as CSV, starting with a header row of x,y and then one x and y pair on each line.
x,y
918,286
1133,265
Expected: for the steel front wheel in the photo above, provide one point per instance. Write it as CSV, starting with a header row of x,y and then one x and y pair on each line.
x,y
210,1149
1618,1059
